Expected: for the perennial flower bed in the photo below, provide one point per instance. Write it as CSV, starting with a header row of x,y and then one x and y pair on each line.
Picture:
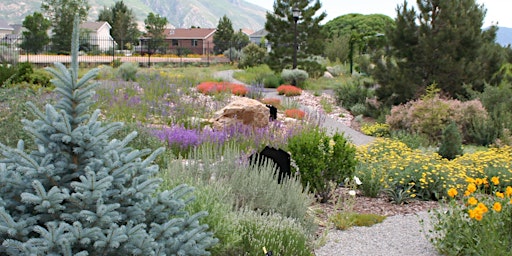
x,y
289,90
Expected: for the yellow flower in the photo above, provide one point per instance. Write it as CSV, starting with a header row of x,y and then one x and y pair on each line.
x,y
495,180
478,217
471,187
482,208
500,195
472,201
472,213
508,191
478,181
497,206
452,192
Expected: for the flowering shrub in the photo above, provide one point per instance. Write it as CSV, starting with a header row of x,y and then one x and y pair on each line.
x,y
479,220
210,88
289,90
295,113
377,129
429,116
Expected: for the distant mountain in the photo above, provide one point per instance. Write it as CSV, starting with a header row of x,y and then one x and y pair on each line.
x,y
504,36
179,13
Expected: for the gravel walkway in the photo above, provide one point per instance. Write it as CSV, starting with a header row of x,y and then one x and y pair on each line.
x,y
402,235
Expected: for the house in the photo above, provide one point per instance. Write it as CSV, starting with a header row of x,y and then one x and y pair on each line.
x,y
258,38
5,28
196,40
99,37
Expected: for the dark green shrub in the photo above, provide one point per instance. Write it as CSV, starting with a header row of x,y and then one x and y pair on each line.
x,y
323,162
451,142
24,71
354,92
272,81
296,77
40,77
6,73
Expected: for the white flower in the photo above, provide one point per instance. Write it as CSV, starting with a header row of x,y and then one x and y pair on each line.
x,y
357,180
352,192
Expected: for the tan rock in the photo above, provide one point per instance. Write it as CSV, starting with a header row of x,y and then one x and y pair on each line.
x,y
243,110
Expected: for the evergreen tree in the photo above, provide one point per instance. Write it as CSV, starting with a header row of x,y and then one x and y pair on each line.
x,y
222,39
281,34
124,26
451,144
61,13
443,42
240,40
82,193
35,37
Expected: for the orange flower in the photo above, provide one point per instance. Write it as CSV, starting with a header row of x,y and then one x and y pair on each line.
x,y
500,195
295,113
497,206
472,201
479,217
452,192
289,90
495,180
482,208
508,191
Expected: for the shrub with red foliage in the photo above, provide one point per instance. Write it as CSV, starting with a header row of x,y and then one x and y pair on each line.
x,y
295,113
210,88
289,90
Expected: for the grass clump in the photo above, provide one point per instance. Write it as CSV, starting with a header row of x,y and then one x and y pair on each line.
x,y
346,220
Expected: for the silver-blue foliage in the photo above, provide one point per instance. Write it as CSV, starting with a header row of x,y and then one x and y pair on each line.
x,y
83,193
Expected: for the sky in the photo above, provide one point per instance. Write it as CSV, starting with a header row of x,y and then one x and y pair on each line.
x,y
498,11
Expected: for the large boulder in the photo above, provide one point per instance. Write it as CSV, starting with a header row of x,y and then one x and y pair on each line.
x,y
242,110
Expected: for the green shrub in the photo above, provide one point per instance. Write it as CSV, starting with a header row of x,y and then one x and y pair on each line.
x,y
7,71
128,71
354,92
313,67
296,77
451,142
358,109
322,161
281,235
41,77
252,55
272,81
412,140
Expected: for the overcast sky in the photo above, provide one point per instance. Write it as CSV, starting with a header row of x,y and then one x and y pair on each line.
x,y
497,10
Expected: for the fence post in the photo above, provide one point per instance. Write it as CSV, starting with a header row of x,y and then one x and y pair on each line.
x,y
113,50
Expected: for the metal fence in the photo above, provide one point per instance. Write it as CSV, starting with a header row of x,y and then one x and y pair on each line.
x,y
95,51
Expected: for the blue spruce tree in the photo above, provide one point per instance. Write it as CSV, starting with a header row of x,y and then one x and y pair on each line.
x,y
84,193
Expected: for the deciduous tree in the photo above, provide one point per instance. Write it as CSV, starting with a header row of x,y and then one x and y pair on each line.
x,y
155,27
124,26
61,14
36,36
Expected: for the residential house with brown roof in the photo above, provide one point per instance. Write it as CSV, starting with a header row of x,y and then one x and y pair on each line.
x,y
99,37
196,40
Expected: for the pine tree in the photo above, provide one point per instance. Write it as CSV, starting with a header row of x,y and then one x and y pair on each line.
x,y
281,34
451,144
441,42
82,193
123,22
222,39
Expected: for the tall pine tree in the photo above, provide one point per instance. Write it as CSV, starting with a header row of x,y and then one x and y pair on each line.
x,y
222,39
82,193
442,42
281,34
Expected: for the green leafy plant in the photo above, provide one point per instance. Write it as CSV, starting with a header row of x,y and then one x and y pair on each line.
x,y
346,220
294,76
322,160
399,194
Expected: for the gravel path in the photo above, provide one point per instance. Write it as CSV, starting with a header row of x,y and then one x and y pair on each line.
x,y
397,235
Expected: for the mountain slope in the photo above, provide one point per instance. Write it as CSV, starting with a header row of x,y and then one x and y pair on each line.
x,y
179,13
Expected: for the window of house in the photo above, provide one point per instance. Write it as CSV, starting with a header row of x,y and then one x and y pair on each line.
x,y
195,42
175,42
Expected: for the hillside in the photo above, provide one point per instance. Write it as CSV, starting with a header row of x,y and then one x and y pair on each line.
x,y
179,13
